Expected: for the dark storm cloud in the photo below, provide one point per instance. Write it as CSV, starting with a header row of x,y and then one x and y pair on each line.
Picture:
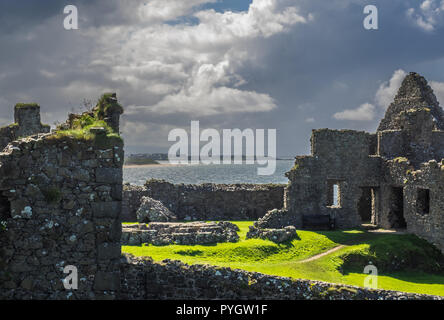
x,y
292,79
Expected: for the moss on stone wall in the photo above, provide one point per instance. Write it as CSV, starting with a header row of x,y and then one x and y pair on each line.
x,y
400,160
107,104
27,105
52,194
91,126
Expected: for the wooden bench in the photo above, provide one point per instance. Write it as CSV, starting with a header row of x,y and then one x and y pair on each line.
x,y
318,222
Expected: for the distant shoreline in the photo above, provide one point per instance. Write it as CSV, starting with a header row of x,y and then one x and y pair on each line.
x,y
167,164
154,165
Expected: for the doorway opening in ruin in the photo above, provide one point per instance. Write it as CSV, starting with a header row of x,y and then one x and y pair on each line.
x,y
368,205
365,205
396,213
423,201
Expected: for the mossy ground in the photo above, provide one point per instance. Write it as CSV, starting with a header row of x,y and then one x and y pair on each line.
x,y
405,262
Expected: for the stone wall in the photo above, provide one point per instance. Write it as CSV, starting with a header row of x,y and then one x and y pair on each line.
x,y
425,221
145,279
26,123
191,233
438,144
65,202
60,205
342,158
398,184
205,201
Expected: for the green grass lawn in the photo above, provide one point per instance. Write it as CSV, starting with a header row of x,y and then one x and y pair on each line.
x,y
418,260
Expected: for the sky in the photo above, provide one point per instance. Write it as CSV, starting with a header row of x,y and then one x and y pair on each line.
x,y
289,65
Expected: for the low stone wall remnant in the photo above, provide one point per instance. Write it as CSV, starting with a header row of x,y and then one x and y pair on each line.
x,y
161,233
174,280
276,235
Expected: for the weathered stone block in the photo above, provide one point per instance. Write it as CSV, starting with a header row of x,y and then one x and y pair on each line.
x,y
109,209
107,281
109,175
108,251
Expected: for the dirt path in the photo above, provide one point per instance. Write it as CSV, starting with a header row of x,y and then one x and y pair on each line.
x,y
318,256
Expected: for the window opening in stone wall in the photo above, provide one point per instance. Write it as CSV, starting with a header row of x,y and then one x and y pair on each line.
x,y
334,194
423,201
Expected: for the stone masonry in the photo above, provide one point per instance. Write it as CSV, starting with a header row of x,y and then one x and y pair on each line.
x,y
26,123
60,205
162,233
206,201
172,280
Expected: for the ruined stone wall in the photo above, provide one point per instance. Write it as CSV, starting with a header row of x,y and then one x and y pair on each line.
x,y
428,179
438,144
145,279
26,123
190,233
416,140
334,144
61,201
341,157
205,201
391,144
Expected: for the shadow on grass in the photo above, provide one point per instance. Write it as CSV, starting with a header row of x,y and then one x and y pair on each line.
x,y
402,256
189,252
410,276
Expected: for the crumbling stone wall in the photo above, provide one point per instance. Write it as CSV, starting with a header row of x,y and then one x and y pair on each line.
x,y
60,200
26,123
65,203
145,279
205,201
192,233
337,155
394,177
422,200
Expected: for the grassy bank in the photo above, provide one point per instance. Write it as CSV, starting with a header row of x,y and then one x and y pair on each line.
x,y
405,262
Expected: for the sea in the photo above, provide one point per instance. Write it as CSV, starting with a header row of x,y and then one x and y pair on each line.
x,y
206,173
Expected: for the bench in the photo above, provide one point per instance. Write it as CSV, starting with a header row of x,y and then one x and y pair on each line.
x,y
318,222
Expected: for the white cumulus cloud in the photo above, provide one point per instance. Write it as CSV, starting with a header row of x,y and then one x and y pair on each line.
x,y
383,97
428,15
365,112
388,90
438,88
192,68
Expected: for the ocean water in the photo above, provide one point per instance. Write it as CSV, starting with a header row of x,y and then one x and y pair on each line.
x,y
212,173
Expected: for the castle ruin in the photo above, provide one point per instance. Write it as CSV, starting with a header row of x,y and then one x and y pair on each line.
x,y
393,178
61,205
